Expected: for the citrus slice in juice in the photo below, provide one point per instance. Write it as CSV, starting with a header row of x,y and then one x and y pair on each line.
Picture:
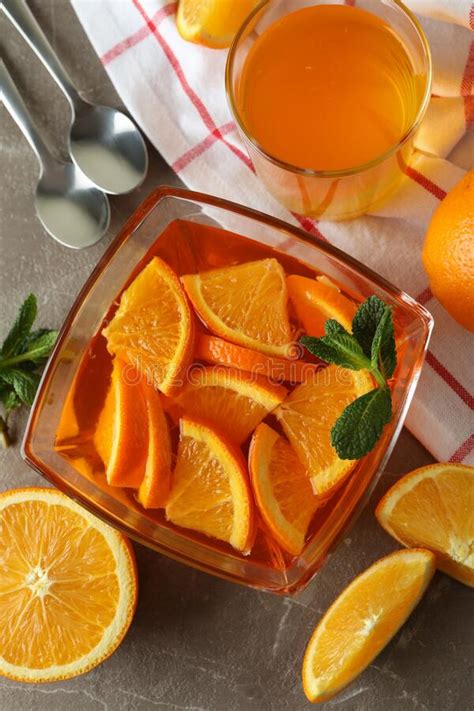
x,y
245,304
68,587
232,401
216,350
121,436
155,486
281,487
315,301
363,619
212,23
210,491
153,327
308,415
433,507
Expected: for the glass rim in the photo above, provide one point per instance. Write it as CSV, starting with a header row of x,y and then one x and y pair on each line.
x,y
339,173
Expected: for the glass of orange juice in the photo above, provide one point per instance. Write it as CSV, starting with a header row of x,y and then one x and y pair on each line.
x,y
328,97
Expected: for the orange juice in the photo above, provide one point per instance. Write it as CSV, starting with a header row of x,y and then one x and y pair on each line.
x,y
328,87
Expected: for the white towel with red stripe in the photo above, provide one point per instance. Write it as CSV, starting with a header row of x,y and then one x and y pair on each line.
x,y
175,92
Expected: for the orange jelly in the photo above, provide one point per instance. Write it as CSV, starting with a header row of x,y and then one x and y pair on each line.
x,y
187,248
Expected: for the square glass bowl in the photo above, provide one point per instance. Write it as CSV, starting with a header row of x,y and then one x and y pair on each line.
x,y
267,569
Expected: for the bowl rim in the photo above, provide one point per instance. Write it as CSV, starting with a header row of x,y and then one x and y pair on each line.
x,y
139,215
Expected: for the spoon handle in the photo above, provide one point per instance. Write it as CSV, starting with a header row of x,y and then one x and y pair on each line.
x,y
17,109
23,19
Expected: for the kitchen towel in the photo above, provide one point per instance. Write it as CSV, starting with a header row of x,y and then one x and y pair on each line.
x,y
175,92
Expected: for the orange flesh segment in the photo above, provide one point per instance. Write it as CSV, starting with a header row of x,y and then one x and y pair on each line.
x,y
210,491
282,489
245,304
153,327
315,302
154,489
308,415
232,401
363,619
216,350
433,507
121,437
68,587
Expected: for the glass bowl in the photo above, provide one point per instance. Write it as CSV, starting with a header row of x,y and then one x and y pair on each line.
x,y
164,205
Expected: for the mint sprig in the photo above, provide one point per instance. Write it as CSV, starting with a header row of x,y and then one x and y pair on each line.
x,y
22,356
370,346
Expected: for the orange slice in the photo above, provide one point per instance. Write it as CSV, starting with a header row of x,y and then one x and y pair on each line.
x,y
245,304
153,327
154,489
68,587
121,437
210,490
308,415
212,23
232,401
282,488
315,301
363,619
433,507
215,350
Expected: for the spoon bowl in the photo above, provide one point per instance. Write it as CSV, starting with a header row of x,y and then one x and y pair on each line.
x,y
108,148
72,211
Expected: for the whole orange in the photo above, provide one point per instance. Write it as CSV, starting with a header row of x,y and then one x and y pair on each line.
x,y
448,252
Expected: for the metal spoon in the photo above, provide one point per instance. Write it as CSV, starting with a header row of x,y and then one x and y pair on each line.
x,y
69,207
103,142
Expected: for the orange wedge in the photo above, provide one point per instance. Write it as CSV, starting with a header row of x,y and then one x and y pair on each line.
x,y
155,486
315,301
121,437
433,507
363,619
232,401
68,587
153,327
282,489
215,350
308,415
210,490
245,304
212,23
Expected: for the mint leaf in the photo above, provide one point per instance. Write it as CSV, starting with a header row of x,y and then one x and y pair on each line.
x,y
24,384
366,320
382,332
41,346
333,327
10,400
339,348
21,328
358,429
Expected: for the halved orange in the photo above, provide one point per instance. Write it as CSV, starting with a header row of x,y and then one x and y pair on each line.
x,y
210,490
153,327
308,415
232,401
212,23
155,486
315,301
121,436
245,304
216,350
433,507
68,587
363,619
281,487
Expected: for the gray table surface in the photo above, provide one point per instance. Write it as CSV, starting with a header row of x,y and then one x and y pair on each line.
x,y
198,643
